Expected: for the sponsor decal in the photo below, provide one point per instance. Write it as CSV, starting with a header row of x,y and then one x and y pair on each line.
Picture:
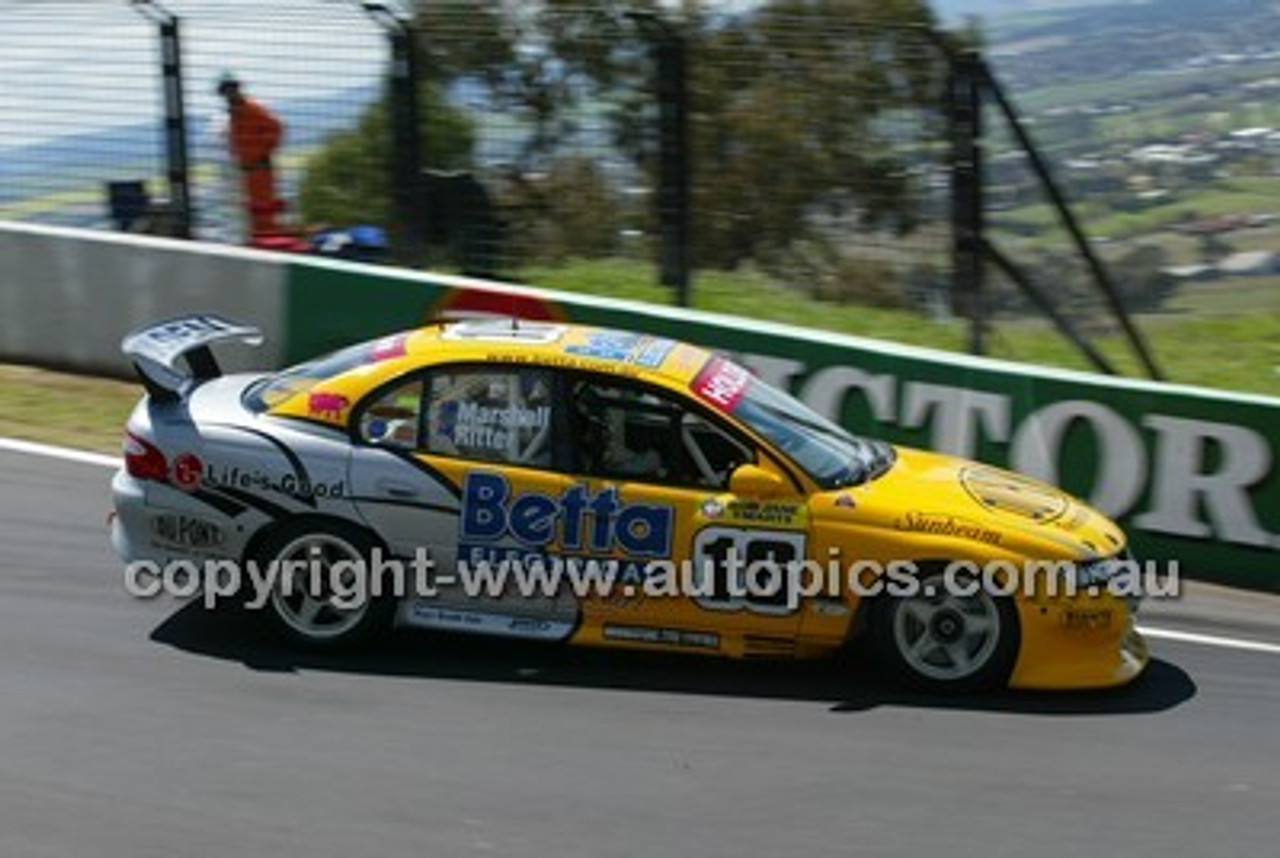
x,y
619,600
655,635
576,521
329,406
186,531
829,608
686,359
400,430
388,348
187,471
721,383
624,347
1002,491
767,513
945,524
182,330
222,477
712,508
474,426
1074,618
427,615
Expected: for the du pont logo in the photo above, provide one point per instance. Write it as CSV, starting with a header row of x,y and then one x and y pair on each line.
x,y
944,524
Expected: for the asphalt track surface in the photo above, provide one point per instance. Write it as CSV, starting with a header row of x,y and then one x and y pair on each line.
x,y
139,728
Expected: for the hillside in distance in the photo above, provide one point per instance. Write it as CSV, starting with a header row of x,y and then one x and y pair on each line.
x,y
1044,48
957,10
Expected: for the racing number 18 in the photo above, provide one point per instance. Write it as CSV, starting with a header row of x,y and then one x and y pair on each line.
x,y
749,569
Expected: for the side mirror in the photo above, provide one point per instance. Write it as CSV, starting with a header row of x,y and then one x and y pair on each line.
x,y
753,481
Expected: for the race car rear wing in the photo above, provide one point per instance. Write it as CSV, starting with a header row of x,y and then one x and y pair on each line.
x,y
155,350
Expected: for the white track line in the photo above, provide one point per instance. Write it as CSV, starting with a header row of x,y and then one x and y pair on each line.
x,y
15,445
1210,640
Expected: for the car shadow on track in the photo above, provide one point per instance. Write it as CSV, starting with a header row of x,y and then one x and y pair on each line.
x,y
845,683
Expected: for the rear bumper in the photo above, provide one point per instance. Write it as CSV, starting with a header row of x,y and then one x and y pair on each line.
x,y
159,524
130,524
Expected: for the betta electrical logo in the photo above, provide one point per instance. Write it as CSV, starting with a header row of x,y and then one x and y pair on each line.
x,y
577,521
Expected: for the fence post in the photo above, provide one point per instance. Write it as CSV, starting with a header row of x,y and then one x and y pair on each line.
x,y
410,215
671,62
177,156
967,220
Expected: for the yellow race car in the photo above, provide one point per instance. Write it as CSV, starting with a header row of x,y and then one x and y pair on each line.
x,y
557,482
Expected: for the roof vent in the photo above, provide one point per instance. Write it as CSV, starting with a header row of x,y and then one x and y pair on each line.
x,y
510,330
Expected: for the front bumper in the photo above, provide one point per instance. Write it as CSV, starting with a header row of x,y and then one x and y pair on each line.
x,y
1079,642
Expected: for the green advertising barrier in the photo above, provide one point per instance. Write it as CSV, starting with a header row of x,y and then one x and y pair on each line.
x,y
1190,473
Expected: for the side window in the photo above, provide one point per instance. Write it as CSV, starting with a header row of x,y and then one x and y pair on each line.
x,y
713,453
624,431
392,420
490,414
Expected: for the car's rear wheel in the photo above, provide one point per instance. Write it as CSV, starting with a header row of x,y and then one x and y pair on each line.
x,y
941,639
322,594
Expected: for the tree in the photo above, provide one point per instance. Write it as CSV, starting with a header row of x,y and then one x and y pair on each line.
x,y
1142,277
348,181
795,112
798,115
569,211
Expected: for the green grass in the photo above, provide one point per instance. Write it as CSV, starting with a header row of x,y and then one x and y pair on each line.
x,y
748,294
57,408
1259,195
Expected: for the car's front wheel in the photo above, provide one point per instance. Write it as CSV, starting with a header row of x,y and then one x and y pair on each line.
x,y
940,638
322,594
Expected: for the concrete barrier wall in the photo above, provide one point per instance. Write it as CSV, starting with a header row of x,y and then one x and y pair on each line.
x,y
67,297
1192,474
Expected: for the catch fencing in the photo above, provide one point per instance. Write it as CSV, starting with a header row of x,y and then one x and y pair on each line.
x,y
773,152
809,150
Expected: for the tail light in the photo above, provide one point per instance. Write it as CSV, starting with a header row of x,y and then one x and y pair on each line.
x,y
143,460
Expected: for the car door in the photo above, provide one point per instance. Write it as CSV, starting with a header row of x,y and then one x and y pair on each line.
x,y
663,460
458,461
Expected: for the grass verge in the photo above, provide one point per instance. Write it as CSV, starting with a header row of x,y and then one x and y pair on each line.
x,y
71,410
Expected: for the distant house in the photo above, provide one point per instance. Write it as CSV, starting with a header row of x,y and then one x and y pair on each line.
x,y
1212,226
1251,138
1190,273
1251,263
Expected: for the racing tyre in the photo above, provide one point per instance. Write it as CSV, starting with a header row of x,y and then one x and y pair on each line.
x,y
322,596
936,640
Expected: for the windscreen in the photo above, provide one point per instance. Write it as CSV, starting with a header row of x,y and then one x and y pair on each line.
x,y
828,453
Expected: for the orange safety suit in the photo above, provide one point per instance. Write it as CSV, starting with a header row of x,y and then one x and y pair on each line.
x,y
255,134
